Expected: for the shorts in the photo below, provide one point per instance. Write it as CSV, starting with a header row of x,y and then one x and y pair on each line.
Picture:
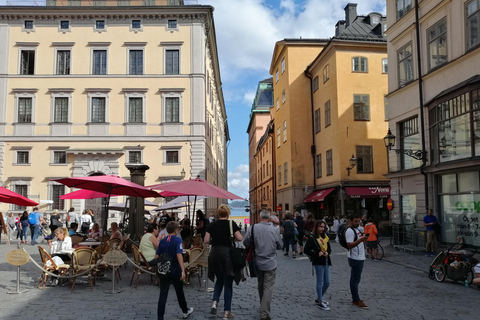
x,y
372,244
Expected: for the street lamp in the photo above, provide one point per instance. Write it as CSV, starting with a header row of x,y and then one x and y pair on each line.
x,y
353,163
183,173
389,141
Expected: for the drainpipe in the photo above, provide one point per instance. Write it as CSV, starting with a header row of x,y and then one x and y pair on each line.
x,y
312,148
420,97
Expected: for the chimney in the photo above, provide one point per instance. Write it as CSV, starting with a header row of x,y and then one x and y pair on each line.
x,y
339,27
350,13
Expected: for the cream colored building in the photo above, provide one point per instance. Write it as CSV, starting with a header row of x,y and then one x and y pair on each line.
x,y
86,90
444,40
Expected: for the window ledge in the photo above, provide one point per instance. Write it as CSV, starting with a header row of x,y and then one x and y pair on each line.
x,y
170,163
21,164
59,164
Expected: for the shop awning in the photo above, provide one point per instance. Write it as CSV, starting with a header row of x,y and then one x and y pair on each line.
x,y
368,192
318,195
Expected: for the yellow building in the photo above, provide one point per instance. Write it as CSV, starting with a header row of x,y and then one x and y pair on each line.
x,y
291,114
435,47
349,84
87,89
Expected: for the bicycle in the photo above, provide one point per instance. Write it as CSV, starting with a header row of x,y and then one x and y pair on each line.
x,y
380,252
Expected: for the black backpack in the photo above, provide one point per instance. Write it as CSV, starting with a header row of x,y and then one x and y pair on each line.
x,y
164,265
342,229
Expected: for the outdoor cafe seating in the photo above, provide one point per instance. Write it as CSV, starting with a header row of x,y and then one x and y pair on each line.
x,y
140,262
49,265
84,258
192,265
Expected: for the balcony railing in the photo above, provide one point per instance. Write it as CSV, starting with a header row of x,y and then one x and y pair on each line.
x,y
102,3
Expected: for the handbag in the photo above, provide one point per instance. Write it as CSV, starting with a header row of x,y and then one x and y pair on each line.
x,y
237,255
295,231
252,265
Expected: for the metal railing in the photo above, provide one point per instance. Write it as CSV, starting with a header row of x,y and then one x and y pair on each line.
x,y
404,237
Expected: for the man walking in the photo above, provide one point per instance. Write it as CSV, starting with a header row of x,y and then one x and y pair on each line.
x,y
429,221
356,257
34,220
266,239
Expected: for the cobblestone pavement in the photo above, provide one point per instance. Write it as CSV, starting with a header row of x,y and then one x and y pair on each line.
x,y
395,288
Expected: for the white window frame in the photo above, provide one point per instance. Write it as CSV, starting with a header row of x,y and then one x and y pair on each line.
x,y
279,142
385,65
436,41
22,149
167,27
277,76
360,59
403,63
97,93
27,47
52,157
28,30
17,181
283,65
404,8
133,149
64,30
61,93
100,30
50,194
284,96
136,29
25,93
284,131
172,94
278,103
167,46
135,93
172,148
326,73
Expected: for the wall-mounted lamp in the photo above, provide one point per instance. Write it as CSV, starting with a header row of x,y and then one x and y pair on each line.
x,y
183,173
353,163
389,141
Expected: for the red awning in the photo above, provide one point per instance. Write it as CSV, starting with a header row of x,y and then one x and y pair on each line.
x,y
318,195
368,192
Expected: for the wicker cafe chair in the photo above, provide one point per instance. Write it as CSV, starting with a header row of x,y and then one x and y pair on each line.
x,y
114,243
76,239
50,265
140,261
192,266
84,258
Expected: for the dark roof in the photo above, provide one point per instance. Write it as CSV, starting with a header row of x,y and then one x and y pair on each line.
x,y
363,28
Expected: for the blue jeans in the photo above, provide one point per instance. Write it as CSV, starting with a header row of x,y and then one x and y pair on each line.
x,y
34,230
23,234
355,277
224,281
323,280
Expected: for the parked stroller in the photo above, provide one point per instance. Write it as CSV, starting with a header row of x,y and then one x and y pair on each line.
x,y
456,263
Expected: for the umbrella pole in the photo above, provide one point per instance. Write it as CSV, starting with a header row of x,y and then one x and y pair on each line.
x,y
107,203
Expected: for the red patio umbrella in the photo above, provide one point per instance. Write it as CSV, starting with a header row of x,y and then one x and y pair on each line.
x,y
85,194
110,185
9,196
194,187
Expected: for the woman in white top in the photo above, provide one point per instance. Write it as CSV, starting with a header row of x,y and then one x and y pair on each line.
x,y
85,221
61,244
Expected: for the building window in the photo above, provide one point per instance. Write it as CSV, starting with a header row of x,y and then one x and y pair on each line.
x,y
473,23
21,189
317,121
437,44
172,61
63,61
285,173
172,109
136,24
359,64
58,190
98,109
328,115
329,162
278,103
60,110
318,165
135,156
279,175
27,62
315,84
405,65
24,110
99,64
100,24
135,110
409,140
384,65
285,131
23,157
172,24
326,73
403,6
28,25
136,62
65,25
361,107
283,65
284,96
59,157
364,159
172,156
276,76
279,143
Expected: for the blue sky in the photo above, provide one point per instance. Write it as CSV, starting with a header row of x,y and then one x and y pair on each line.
x,y
247,31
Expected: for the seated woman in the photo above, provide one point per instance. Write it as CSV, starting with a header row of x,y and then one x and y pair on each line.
x,y
149,243
61,243
95,233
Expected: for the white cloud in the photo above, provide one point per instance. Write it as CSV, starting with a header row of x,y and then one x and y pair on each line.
x,y
238,181
249,96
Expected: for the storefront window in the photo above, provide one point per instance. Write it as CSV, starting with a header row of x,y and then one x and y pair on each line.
x,y
409,206
468,182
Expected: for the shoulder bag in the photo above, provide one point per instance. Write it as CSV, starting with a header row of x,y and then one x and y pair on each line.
x,y
252,265
237,255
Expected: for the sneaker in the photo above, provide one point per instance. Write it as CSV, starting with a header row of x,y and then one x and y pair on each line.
x,y
360,304
227,315
54,283
376,259
323,306
301,253
325,302
427,254
188,313
294,256
213,309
